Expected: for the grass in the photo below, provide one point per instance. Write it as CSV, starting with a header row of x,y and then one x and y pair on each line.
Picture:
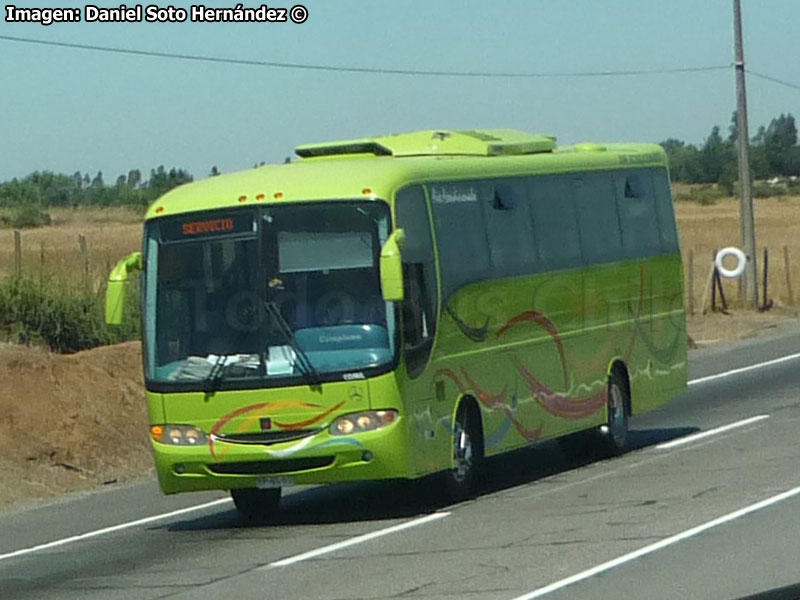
x,y
58,301
60,314
53,252
705,195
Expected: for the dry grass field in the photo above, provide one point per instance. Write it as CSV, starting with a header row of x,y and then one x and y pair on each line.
x,y
704,229
54,251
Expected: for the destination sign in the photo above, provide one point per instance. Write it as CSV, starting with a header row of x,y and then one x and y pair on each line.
x,y
203,226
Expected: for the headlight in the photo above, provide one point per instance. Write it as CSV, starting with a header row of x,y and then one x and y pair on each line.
x,y
178,435
363,421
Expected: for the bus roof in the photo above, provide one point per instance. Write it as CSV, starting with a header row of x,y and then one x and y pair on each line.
x,y
374,167
486,142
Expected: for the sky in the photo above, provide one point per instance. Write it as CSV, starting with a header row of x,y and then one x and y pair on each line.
x,y
67,110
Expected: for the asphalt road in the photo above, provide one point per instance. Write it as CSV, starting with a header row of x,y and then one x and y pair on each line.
x,y
712,516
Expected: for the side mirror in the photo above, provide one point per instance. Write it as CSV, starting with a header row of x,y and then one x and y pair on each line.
x,y
392,267
118,284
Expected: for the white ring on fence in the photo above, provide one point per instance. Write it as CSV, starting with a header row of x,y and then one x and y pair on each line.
x,y
741,262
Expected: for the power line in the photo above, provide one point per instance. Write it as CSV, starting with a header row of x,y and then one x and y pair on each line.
x,y
773,79
368,70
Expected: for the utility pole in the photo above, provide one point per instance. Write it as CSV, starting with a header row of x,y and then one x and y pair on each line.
x,y
747,227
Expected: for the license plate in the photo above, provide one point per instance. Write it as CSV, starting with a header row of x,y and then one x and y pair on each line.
x,y
266,483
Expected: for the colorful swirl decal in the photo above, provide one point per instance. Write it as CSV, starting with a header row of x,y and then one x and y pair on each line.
x,y
256,411
555,403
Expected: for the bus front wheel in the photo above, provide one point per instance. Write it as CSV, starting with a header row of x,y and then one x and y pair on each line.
x,y
256,504
467,455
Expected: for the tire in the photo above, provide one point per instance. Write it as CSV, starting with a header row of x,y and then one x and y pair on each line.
x,y
461,480
255,504
608,440
615,433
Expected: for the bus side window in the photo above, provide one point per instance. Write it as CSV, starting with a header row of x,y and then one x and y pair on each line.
x,y
555,222
419,309
637,214
598,218
509,227
664,211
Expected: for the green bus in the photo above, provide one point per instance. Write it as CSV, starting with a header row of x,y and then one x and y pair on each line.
x,y
398,306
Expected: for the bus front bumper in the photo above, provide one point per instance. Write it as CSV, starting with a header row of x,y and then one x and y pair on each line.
x,y
321,458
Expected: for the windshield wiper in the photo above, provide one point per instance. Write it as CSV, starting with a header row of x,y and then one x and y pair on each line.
x,y
303,362
223,362
215,374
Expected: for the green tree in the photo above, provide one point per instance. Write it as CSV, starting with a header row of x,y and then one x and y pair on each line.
x,y
714,156
779,140
161,181
684,161
16,193
134,178
55,190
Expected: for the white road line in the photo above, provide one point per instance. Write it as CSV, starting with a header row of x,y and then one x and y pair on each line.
x,y
105,530
704,434
356,540
607,566
768,363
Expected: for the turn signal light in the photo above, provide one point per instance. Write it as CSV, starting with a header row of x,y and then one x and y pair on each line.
x,y
178,435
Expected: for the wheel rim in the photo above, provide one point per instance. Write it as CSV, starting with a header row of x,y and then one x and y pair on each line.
x,y
616,414
462,453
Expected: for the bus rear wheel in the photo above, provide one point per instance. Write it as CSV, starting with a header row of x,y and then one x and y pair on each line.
x,y
611,438
256,504
615,432
461,480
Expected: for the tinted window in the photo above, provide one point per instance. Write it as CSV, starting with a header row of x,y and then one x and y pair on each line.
x,y
598,222
637,214
555,223
460,233
509,226
664,211
420,306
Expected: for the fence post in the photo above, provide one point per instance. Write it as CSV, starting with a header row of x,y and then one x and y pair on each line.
x,y
691,281
85,258
788,270
41,263
17,253
714,280
709,281
765,303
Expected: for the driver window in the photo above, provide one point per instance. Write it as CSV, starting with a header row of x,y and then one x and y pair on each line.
x,y
420,307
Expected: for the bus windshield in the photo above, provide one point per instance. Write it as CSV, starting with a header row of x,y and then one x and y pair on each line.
x,y
255,297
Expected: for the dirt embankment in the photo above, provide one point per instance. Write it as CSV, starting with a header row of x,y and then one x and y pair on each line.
x,y
70,422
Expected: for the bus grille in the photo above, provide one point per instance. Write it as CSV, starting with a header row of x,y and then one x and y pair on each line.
x,y
265,438
268,467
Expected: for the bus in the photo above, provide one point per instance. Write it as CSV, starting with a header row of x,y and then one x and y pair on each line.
x,y
405,305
